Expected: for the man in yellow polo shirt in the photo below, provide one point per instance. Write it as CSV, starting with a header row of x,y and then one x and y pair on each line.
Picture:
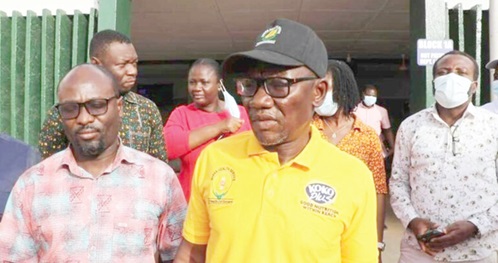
x,y
280,193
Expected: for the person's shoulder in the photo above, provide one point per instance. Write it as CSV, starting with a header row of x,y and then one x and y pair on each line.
x,y
368,132
485,109
489,105
45,169
184,110
146,160
144,101
487,114
139,156
417,118
343,164
380,108
7,140
12,145
227,144
330,155
365,129
236,138
187,107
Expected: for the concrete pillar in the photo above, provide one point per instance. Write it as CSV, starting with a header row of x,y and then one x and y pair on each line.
x,y
428,20
115,14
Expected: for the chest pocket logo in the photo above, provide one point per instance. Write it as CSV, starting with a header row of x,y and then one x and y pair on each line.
x,y
320,193
221,181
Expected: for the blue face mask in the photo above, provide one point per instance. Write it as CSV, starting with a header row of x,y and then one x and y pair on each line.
x,y
494,87
328,107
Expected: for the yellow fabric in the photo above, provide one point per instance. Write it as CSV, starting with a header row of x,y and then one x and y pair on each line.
x,y
248,208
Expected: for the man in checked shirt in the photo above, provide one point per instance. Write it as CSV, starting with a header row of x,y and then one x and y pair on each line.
x,y
97,200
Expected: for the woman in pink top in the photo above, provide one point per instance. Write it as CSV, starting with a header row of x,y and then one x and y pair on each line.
x,y
190,128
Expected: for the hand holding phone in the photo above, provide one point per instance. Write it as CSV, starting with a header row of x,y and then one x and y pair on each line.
x,y
430,234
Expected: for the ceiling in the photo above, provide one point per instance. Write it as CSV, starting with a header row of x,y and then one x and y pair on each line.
x,y
164,30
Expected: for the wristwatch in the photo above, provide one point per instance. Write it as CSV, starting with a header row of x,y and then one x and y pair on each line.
x,y
381,246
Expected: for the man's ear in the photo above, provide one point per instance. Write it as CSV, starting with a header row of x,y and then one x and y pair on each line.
x,y
120,106
220,83
95,61
473,87
319,92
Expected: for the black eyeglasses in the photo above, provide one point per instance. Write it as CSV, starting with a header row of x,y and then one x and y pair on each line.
x,y
276,87
95,107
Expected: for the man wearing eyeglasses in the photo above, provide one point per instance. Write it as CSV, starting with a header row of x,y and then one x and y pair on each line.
x,y
444,186
97,200
280,193
142,125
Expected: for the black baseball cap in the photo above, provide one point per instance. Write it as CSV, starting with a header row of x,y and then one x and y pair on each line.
x,y
286,43
492,64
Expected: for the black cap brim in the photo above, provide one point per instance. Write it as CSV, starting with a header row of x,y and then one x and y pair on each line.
x,y
492,64
230,64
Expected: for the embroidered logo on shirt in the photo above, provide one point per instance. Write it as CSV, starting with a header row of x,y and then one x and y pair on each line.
x,y
221,181
320,193
269,36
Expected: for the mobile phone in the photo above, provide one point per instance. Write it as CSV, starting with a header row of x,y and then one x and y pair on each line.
x,y
430,234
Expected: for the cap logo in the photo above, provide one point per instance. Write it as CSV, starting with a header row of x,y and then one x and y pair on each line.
x,y
269,36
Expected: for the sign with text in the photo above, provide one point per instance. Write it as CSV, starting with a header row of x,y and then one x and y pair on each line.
x,y
429,50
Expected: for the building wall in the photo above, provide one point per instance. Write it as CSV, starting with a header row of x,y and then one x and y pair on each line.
x,y
84,6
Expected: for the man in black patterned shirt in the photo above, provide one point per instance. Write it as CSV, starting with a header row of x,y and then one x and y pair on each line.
x,y
141,123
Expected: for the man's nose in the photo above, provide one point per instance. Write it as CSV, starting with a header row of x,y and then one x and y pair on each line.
x,y
261,99
131,69
84,117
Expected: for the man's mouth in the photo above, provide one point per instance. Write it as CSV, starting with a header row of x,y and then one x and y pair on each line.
x,y
87,134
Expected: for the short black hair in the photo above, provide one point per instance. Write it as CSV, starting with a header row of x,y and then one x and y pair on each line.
x,y
209,62
370,86
115,84
101,41
345,88
461,53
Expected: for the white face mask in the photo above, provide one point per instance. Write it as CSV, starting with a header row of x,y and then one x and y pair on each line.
x,y
328,107
452,90
494,87
369,100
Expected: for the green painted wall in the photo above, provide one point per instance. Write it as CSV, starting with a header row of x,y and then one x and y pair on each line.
x,y
35,52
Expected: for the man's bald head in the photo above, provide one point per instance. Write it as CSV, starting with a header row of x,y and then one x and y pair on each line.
x,y
83,71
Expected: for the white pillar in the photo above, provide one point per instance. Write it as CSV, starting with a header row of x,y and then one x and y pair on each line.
x,y
493,35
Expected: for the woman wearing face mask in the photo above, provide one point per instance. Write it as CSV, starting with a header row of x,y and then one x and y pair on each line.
x,y
337,123
190,128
